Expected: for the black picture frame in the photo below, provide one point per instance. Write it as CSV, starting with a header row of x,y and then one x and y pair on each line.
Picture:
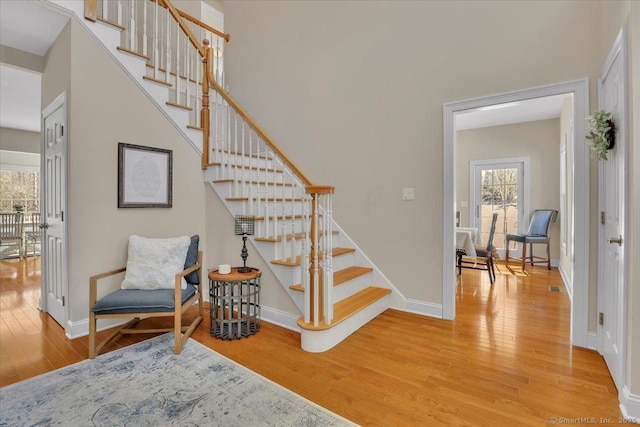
x,y
145,176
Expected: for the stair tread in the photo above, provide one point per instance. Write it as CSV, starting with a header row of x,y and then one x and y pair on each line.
x,y
184,107
263,199
349,273
346,308
341,276
112,23
297,236
223,181
294,263
154,80
132,52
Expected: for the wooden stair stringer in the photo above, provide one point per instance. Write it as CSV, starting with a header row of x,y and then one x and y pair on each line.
x,y
349,315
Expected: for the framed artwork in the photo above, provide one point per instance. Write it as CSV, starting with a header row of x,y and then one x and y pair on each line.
x,y
144,176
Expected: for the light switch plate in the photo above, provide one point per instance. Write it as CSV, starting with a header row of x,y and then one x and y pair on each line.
x,y
407,194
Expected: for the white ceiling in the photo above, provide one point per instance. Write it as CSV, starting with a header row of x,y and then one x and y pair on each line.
x,y
31,27
514,112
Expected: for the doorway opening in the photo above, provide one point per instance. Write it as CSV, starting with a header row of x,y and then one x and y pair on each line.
x,y
578,199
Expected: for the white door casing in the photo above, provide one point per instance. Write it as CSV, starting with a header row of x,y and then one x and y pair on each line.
x,y
579,199
612,191
53,205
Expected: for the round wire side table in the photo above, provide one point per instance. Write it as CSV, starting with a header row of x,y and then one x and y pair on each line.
x,y
235,303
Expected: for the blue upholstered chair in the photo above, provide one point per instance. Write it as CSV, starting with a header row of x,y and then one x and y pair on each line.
x,y
539,233
485,255
140,304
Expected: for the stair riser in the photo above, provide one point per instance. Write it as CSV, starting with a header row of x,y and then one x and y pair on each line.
x,y
319,341
350,287
231,189
240,174
343,261
255,162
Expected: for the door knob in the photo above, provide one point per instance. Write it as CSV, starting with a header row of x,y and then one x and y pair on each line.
x,y
617,240
44,226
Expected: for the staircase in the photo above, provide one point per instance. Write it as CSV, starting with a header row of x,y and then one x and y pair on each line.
x,y
331,281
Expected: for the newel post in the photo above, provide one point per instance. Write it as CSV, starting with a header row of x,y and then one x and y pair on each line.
x,y
318,297
204,113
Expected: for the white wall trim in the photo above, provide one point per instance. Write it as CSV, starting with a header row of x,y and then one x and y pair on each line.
x,y
630,405
580,91
280,318
425,308
592,341
286,320
565,280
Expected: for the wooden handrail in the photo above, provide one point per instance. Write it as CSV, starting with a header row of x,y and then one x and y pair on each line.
x,y
261,133
198,22
176,15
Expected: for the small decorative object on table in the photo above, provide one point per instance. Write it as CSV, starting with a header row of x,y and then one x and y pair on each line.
x,y
602,133
235,303
244,227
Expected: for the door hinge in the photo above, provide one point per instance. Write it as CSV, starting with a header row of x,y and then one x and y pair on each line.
x,y
62,216
602,216
63,300
601,318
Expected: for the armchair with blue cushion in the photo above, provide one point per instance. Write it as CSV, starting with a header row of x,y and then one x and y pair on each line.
x,y
163,278
538,233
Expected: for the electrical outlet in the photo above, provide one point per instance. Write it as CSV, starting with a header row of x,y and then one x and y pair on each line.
x,y
407,194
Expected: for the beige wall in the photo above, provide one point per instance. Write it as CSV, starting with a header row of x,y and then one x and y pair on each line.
x,y
354,94
537,140
105,107
21,59
19,140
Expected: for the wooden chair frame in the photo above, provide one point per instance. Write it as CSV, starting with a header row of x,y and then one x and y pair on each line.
x,y
127,328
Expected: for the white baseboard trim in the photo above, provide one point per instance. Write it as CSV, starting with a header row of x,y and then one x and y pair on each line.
x,y
630,405
286,320
424,307
592,341
280,318
80,328
568,286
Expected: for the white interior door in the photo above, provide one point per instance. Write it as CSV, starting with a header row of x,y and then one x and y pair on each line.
x,y
611,200
54,165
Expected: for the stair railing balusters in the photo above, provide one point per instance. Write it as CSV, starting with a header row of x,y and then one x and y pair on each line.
x,y
245,171
292,245
250,182
144,29
205,114
132,26
237,172
283,232
156,44
167,55
177,65
119,12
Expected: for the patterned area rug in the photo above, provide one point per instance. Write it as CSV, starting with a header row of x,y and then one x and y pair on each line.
x,y
147,385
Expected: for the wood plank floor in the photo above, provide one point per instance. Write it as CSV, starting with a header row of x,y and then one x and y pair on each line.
x,y
504,361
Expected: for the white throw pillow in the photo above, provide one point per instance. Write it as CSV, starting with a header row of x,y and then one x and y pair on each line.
x,y
154,263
